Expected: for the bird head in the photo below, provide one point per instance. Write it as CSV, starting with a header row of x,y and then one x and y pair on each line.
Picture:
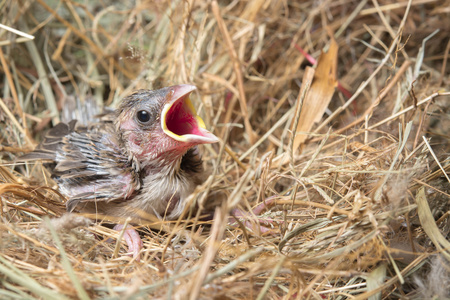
x,y
160,125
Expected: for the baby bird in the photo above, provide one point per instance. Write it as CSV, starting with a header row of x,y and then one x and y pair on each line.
x,y
140,160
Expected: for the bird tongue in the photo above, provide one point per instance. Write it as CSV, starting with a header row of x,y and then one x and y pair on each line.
x,y
180,121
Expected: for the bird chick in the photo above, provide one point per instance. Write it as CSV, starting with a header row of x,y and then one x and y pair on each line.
x,y
140,160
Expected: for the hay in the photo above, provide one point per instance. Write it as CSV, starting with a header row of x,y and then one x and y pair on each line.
x,y
356,179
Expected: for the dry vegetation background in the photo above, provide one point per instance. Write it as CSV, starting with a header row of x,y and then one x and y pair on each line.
x,y
359,201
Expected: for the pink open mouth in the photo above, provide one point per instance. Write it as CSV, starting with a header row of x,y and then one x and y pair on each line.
x,y
180,121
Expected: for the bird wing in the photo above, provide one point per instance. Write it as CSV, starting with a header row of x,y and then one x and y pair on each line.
x,y
89,164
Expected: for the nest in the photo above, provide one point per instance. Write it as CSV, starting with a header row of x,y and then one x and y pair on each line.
x,y
332,113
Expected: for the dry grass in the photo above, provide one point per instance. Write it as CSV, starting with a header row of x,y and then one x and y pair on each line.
x,y
358,177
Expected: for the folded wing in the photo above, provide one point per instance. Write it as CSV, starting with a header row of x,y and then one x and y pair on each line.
x,y
87,162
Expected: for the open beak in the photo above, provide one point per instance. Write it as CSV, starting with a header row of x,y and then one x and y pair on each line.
x,y
180,121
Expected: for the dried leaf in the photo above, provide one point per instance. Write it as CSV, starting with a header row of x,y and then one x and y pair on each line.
x,y
320,93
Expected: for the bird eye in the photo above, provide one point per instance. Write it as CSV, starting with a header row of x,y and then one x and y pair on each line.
x,y
143,116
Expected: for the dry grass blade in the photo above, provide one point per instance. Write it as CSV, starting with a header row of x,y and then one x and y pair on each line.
x,y
217,230
43,78
66,263
402,143
18,32
429,224
236,65
21,278
270,280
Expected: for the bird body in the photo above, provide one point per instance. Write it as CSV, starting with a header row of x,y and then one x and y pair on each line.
x,y
139,161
